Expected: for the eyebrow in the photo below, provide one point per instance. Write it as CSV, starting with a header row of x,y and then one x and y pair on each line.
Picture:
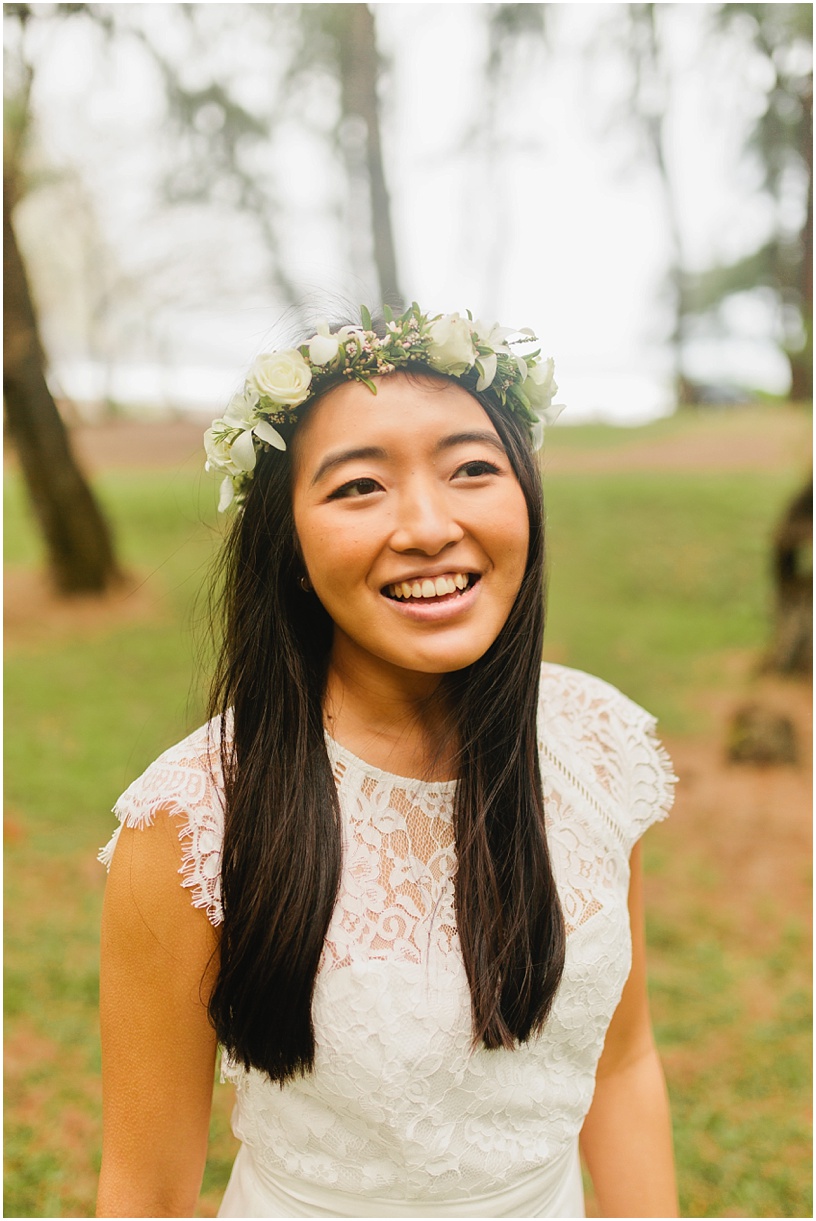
x,y
347,455
360,453
480,436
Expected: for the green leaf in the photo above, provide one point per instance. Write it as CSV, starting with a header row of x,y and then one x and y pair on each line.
x,y
388,313
518,396
366,318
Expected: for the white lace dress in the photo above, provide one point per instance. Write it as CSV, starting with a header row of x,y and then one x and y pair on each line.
x,y
401,1117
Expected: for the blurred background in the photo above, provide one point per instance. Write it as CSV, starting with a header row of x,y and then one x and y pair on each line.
x,y
186,184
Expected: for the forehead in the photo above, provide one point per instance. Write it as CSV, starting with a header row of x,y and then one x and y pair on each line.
x,y
408,409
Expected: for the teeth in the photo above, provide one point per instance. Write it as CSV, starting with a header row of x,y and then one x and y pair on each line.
x,y
436,587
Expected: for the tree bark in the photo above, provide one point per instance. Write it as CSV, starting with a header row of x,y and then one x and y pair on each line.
x,y
80,549
791,650
359,73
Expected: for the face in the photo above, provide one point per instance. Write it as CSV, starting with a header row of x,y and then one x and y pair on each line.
x,y
412,524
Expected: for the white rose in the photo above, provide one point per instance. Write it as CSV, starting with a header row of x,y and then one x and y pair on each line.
x,y
451,348
284,377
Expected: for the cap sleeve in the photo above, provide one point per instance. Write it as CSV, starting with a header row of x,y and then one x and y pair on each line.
x,y
187,781
647,775
607,744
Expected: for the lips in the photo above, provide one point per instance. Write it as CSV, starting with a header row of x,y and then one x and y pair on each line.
x,y
426,588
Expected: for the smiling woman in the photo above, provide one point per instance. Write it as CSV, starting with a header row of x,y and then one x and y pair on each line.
x,y
430,500
415,925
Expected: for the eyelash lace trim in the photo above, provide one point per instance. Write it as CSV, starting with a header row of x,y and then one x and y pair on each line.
x,y
595,744
186,782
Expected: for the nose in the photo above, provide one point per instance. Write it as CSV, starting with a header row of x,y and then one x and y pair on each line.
x,y
425,522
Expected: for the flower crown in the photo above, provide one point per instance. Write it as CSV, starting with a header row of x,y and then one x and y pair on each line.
x,y
280,384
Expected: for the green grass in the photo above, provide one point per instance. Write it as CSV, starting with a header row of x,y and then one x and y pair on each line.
x,y
656,582
654,575
739,1082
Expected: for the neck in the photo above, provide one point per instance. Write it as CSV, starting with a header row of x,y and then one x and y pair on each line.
x,y
394,719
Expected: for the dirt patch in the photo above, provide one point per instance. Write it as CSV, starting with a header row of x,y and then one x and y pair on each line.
x,y
751,823
749,442
135,445
33,612
22,1048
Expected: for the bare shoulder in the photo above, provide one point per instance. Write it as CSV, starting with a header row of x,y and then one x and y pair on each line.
x,y
159,959
145,902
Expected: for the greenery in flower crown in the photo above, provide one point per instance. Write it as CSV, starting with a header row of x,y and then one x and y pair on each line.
x,y
280,384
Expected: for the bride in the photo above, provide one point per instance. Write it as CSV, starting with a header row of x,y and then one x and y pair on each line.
x,y
397,875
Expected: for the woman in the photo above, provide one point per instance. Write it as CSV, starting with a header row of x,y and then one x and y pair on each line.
x,y
410,851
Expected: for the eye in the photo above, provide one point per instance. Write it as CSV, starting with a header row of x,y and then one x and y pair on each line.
x,y
355,489
478,467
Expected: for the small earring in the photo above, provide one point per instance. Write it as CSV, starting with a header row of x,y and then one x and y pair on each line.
x,y
305,584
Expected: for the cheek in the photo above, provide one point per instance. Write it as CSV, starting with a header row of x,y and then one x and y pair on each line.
x,y
332,553
510,532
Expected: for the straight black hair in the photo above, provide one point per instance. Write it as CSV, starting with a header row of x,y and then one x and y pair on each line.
x,y
281,860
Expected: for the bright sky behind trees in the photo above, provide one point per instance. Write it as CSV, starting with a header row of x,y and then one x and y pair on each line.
x,y
534,202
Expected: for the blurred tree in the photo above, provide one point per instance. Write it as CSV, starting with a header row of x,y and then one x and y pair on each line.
x,y
516,39
352,33
646,40
225,141
78,540
791,650
637,39
780,146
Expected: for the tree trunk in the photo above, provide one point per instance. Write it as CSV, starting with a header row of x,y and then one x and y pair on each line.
x,y
801,362
80,551
791,650
648,63
359,73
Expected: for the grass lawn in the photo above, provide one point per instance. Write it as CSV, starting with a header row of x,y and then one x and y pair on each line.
x,y
658,581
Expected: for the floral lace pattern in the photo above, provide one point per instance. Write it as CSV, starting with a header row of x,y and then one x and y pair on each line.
x,y
187,781
399,1104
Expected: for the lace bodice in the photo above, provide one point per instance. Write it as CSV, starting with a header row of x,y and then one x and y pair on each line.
x,y
399,1105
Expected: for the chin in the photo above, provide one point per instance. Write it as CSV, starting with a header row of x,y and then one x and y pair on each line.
x,y
442,661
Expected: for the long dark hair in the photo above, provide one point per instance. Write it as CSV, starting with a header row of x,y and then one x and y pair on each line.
x,y
282,843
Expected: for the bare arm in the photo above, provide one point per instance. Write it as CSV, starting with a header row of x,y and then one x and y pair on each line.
x,y
626,1139
158,1048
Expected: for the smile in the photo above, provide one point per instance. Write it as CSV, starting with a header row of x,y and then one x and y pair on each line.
x,y
428,588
